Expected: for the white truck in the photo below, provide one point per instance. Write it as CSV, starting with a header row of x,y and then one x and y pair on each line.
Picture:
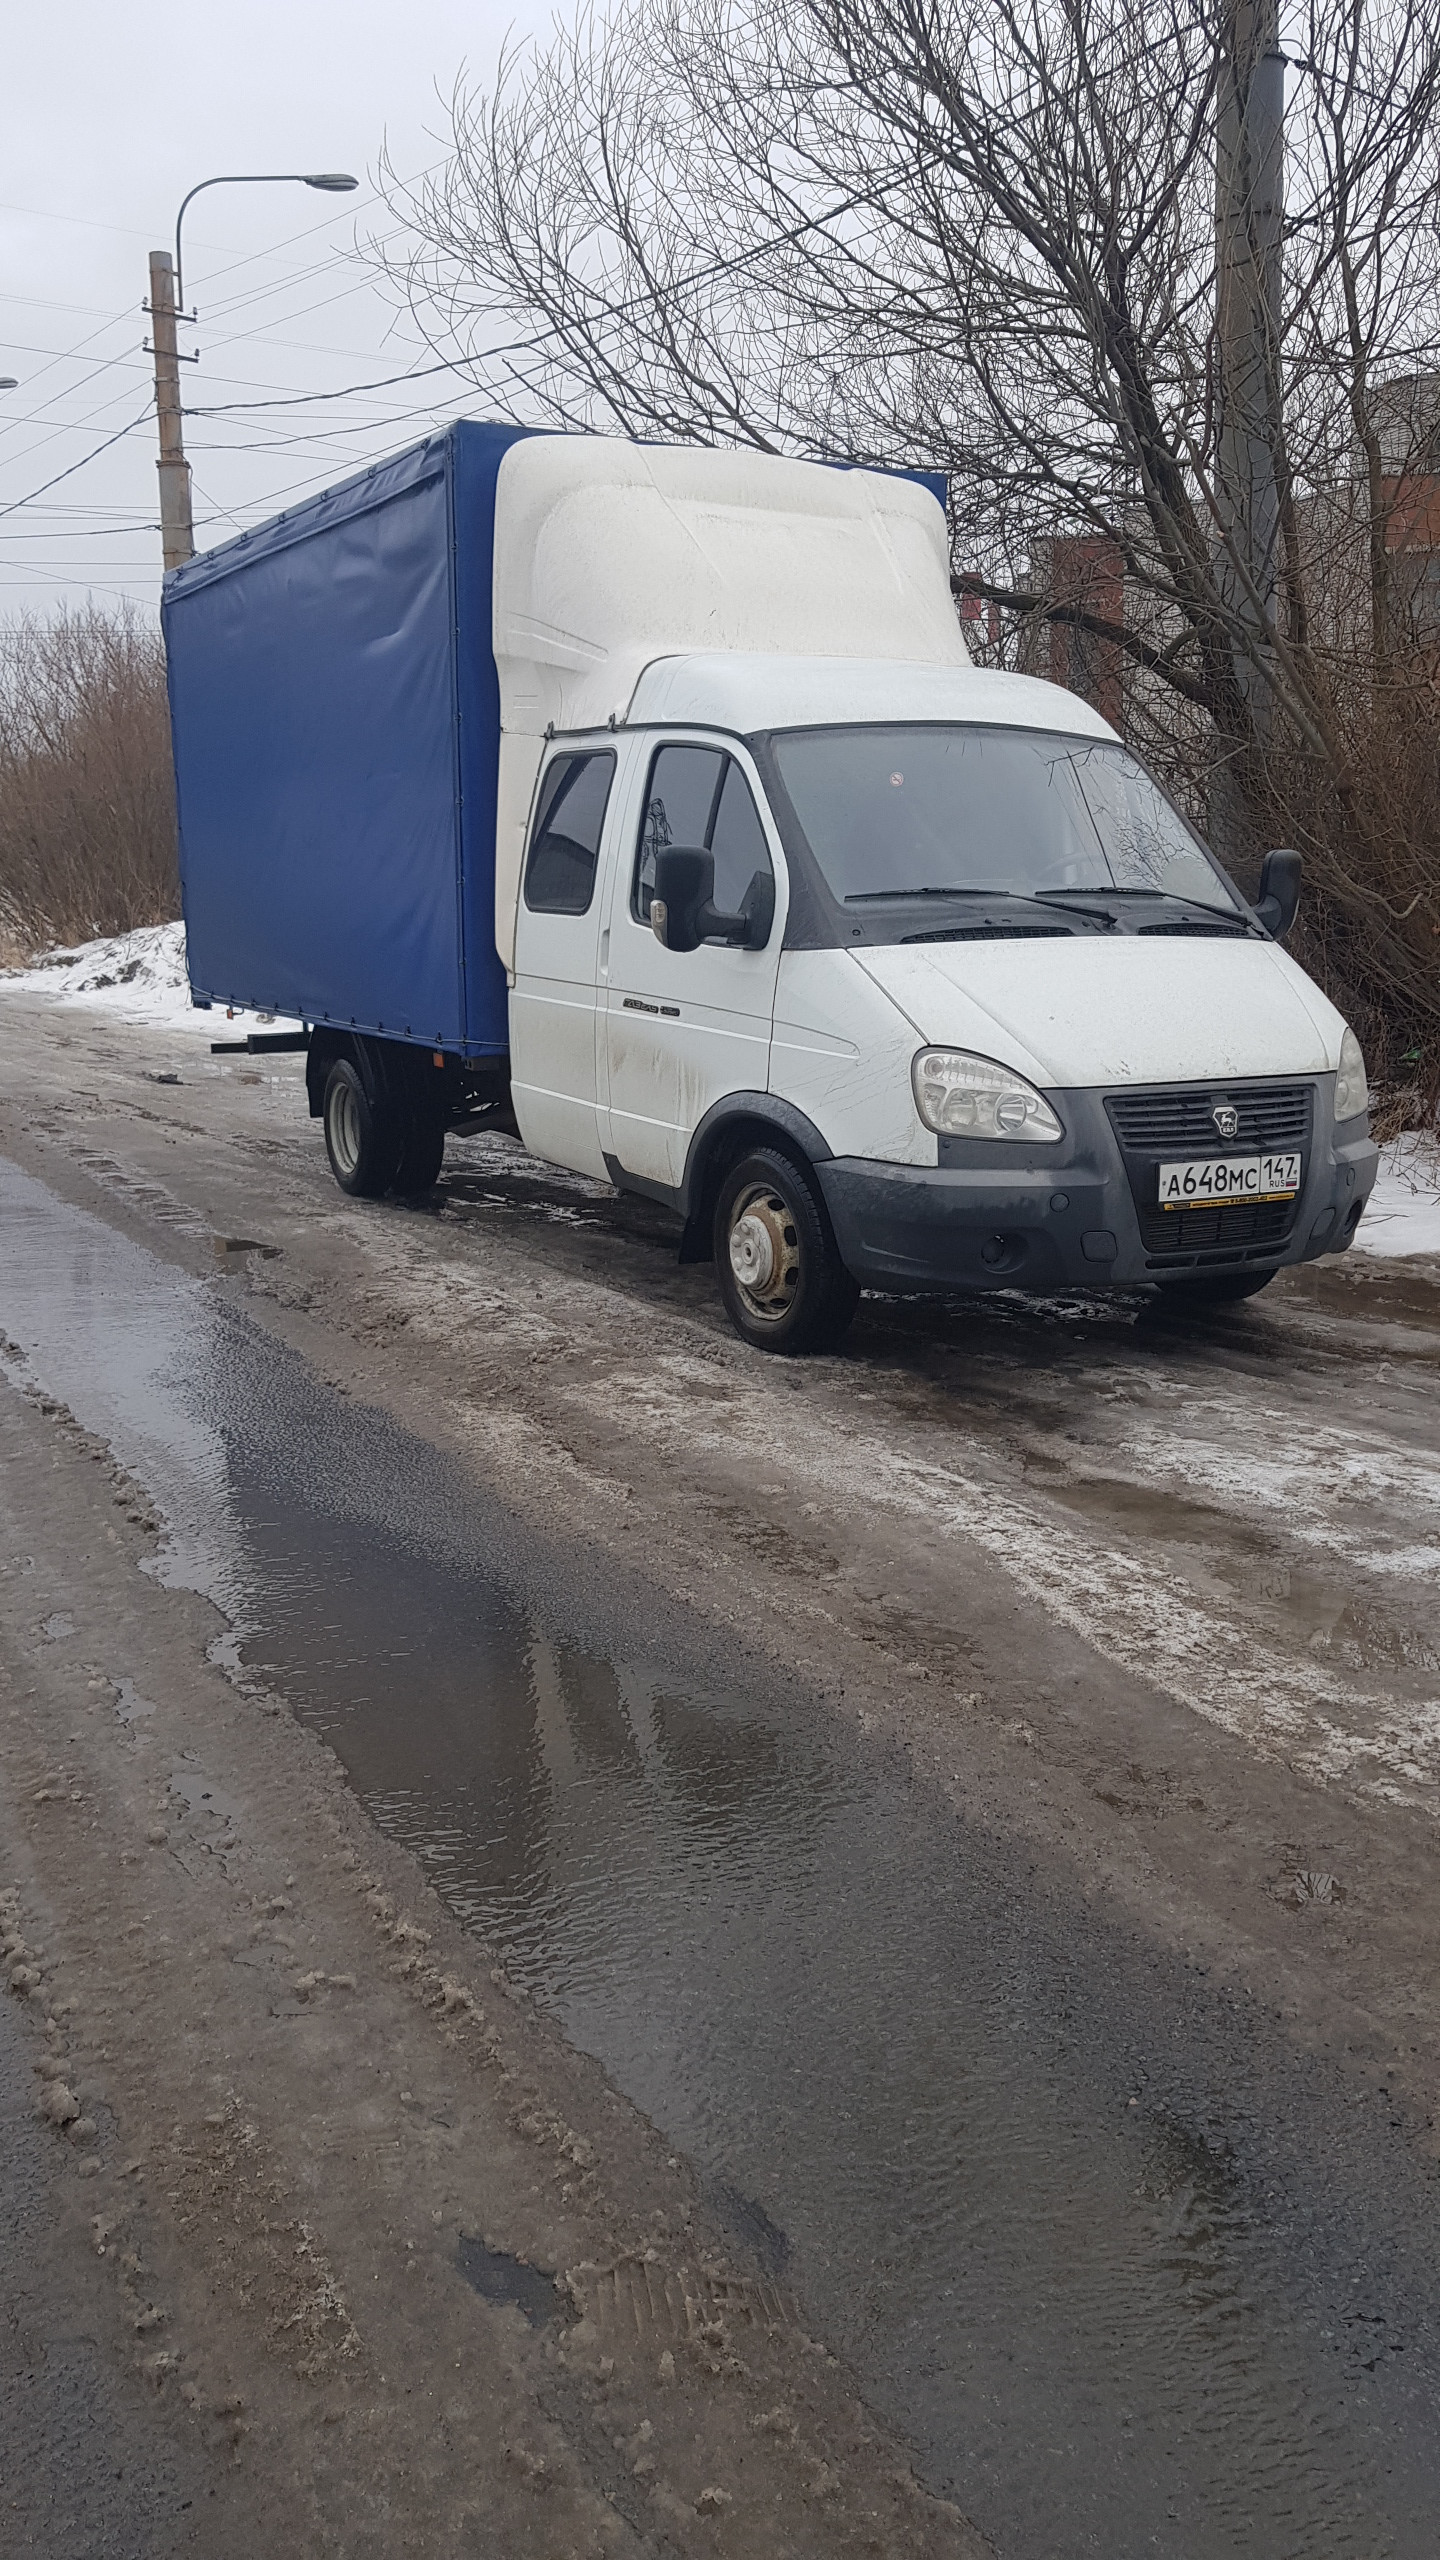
x,y
645,799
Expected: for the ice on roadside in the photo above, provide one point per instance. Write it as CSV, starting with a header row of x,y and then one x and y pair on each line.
x,y
1403,1216
137,977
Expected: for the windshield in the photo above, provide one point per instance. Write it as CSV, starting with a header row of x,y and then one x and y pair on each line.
x,y
901,811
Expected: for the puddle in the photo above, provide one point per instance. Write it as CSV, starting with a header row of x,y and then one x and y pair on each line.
x,y
1130,2277
497,2277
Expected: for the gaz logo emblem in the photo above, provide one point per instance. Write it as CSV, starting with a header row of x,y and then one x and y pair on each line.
x,y
1226,1119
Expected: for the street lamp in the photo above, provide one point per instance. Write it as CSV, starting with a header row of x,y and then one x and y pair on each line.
x,y
332,182
177,530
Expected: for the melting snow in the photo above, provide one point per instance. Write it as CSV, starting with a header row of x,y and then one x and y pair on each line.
x,y
1404,1211
139,977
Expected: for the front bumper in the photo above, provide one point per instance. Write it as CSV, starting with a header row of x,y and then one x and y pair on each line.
x,y
1068,1216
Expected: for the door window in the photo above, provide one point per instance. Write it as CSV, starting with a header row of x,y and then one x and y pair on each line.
x,y
565,843
699,796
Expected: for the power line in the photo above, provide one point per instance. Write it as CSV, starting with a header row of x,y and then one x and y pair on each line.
x,y
98,416
66,355
338,446
17,503
298,399
266,289
61,426
82,533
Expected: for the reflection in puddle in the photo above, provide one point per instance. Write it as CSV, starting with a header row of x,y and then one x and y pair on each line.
x,y
1034,2188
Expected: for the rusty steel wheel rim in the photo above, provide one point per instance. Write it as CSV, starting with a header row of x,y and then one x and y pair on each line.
x,y
763,1245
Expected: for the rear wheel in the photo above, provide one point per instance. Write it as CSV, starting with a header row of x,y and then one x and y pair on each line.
x,y
1221,1290
363,1139
421,1156
784,1285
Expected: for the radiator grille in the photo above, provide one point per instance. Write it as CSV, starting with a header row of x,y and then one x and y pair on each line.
x,y
1156,1124
1227,1229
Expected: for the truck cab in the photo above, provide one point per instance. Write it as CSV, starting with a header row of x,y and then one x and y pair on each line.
x,y
951,963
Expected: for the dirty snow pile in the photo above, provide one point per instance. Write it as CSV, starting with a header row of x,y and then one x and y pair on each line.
x,y
1404,1211
138,977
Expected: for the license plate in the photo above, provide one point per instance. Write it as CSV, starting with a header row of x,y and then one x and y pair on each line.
x,y
1206,1181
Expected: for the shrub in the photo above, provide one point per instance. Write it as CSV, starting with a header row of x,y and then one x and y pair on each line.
x,y
87,794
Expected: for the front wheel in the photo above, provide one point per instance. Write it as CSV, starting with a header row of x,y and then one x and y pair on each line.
x,y
784,1285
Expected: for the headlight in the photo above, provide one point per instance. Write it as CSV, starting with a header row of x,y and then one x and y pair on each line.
x,y
963,1097
1352,1093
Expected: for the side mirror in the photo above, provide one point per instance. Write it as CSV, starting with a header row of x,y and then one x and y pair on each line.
x,y
684,881
1279,891
683,913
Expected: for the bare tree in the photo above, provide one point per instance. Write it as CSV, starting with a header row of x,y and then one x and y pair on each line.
x,y
982,235
87,797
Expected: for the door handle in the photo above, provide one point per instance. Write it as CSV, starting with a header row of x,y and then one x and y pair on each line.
x,y
605,953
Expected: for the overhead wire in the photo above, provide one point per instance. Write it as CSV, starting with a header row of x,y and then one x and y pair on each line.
x,y
297,399
90,533
332,447
67,355
29,499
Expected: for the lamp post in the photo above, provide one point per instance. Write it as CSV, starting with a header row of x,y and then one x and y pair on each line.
x,y
166,306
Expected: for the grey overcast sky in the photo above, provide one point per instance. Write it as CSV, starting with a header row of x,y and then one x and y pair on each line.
x,y
109,111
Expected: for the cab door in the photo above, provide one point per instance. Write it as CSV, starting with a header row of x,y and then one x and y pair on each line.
x,y
685,1028
555,1034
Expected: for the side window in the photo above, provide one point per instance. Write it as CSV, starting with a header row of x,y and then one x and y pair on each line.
x,y
679,806
565,840
699,796
738,842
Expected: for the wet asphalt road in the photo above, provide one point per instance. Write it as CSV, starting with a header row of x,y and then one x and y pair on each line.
x,y
90,2466
1133,2276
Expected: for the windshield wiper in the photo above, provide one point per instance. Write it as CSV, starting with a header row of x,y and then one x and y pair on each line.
x,y
1180,898
859,897
1016,897
1053,898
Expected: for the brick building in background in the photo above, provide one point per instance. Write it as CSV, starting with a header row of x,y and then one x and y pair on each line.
x,y
1407,422
1086,572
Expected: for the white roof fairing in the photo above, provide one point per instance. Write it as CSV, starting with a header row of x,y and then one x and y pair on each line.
x,y
743,692
610,556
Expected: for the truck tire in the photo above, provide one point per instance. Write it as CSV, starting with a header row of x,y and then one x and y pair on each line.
x,y
1220,1291
420,1156
363,1139
784,1285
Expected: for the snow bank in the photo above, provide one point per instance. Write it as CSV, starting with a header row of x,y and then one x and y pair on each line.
x,y
137,977
1404,1211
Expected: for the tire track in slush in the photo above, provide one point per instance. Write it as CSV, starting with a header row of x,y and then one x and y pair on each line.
x,y
1124,1604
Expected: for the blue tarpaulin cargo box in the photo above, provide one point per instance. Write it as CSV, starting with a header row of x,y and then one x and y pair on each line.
x,y
336,717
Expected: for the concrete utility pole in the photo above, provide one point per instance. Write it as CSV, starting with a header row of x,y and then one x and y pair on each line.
x,y
1249,222
177,527
177,531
